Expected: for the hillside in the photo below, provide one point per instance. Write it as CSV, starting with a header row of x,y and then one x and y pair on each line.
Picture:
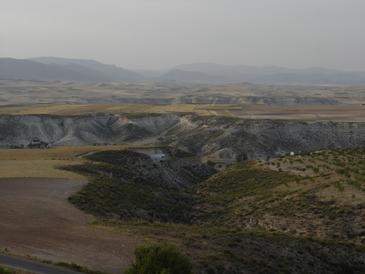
x,y
108,71
51,69
178,75
266,75
297,214
215,138
83,70
132,185
319,195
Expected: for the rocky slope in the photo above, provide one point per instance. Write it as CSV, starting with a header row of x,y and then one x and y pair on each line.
x,y
218,139
80,130
224,138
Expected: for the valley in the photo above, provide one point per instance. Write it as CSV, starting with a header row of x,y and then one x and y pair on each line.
x,y
182,137
289,202
242,178
241,211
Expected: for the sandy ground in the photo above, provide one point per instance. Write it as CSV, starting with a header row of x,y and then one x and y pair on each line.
x,y
37,220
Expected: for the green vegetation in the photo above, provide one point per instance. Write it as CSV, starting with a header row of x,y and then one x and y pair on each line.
x,y
108,197
78,268
241,192
160,259
130,185
303,214
320,195
5,271
223,250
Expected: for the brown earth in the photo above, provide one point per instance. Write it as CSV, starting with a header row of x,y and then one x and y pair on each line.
x,y
354,113
47,163
37,220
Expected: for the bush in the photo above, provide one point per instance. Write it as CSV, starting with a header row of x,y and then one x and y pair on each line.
x,y
5,271
160,259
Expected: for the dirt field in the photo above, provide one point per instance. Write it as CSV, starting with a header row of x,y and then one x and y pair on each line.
x,y
354,113
35,92
308,112
37,220
24,163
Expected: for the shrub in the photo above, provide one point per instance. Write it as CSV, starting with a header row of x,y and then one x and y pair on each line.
x,y
159,259
5,271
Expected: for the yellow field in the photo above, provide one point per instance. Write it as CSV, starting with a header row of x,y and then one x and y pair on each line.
x,y
355,113
46,162
63,109
36,169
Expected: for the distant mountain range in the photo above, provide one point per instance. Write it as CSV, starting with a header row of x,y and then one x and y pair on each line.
x,y
62,69
269,75
51,68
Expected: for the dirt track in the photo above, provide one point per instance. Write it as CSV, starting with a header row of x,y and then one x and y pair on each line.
x,y
37,220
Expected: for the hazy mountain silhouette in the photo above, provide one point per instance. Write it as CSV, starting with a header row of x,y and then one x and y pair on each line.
x,y
178,75
108,71
216,73
52,68
46,69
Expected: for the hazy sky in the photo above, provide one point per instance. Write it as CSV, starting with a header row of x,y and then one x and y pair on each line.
x,y
162,33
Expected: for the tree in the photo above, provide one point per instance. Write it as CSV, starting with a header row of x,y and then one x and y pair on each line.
x,y
160,259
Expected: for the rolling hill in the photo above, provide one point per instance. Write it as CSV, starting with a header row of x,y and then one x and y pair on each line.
x,y
50,69
294,214
82,70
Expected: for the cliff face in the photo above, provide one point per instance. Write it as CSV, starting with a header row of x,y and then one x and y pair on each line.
x,y
252,139
80,130
219,137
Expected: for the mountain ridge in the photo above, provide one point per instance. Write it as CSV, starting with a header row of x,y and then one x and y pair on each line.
x,y
66,70
275,74
87,70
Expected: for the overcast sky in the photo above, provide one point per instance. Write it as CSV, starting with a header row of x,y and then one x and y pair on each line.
x,y
161,33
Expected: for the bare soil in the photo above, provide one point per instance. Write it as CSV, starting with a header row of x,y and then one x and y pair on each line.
x,y
37,220
354,113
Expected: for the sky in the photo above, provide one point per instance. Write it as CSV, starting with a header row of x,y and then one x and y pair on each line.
x,y
157,34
